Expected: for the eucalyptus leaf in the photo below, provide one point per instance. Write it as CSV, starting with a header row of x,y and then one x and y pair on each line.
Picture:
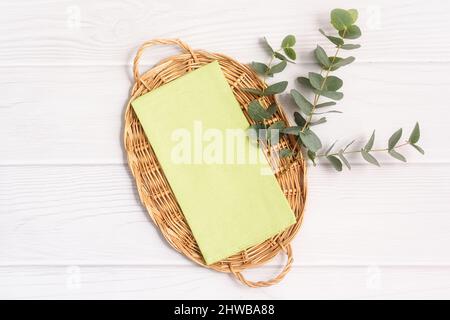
x,y
330,94
284,153
325,104
260,68
340,62
288,41
325,112
330,148
333,83
341,19
369,158
322,57
257,112
310,140
335,40
415,134
299,120
320,121
335,162
272,109
304,105
304,82
348,145
393,140
369,143
312,157
290,53
350,46
254,91
268,46
397,155
353,14
276,126
415,146
352,32
294,130
344,159
280,56
279,67
316,80
275,88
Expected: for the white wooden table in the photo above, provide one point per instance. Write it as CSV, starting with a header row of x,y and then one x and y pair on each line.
x,y
71,225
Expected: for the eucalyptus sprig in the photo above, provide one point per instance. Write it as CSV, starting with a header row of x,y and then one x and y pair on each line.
x,y
323,85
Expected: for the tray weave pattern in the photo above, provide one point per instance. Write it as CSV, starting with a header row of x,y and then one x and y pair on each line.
x,y
154,189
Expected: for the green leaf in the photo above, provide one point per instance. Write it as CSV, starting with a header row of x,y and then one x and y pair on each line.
x,y
330,94
369,143
330,148
397,155
320,121
333,83
284,153
415,146
344,159
304,82
253,131
268,46
312,157
369,158
353,14
257,112
288,41
260,68
254,91
275,88
290,53
278,126
325,112
350,46
352,32
310,140
415,134
299,120
294,130
281,57
321,57
304,105
316,80
277,68
393,140
272,109
335,40
340,62
348,145
341,19
325,104
337,164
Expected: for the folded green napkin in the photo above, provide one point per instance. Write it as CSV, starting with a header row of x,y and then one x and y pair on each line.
x,y
229,203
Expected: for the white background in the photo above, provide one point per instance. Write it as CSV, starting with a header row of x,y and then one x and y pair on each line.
x,y
71,225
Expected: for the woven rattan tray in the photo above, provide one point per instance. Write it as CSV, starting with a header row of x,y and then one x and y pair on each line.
x,y
154,189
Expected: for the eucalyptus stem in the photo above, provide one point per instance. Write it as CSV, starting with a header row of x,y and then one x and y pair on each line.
x,y
359,151
318,95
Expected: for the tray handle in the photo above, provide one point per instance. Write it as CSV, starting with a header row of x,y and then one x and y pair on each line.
x,y
184,47
256,284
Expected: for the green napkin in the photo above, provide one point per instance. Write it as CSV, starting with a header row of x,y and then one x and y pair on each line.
x,y
229,204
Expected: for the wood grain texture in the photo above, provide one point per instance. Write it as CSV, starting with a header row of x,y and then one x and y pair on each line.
x,y
91,215
146,282
106,32
75,114
71,225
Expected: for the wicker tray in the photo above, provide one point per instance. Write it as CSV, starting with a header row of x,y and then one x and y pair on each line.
x,y
154,189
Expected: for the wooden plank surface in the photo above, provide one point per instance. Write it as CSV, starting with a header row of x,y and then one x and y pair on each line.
x,y
71,225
